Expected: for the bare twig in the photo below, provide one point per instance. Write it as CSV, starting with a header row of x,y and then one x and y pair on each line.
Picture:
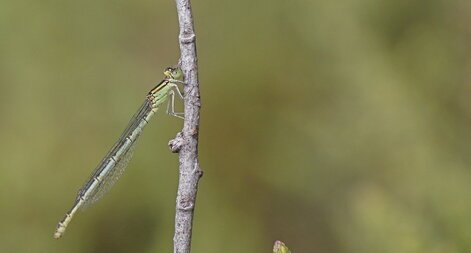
x,y
186,142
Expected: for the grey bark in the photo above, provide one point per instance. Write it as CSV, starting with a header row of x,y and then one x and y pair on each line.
x,y
186,142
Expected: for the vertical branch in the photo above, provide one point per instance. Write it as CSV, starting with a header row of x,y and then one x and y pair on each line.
x,y
186,142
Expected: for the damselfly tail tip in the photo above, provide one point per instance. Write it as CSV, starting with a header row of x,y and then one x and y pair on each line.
x,y
59,231
57,235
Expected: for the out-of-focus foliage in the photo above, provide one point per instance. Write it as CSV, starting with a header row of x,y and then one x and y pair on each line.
x,y
346,122
280,247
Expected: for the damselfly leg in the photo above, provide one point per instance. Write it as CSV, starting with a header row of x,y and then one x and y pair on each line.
x,y
171,102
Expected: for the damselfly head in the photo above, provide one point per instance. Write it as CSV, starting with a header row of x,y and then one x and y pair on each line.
x,y
174,73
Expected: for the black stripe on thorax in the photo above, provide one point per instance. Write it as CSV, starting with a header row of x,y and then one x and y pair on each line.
x,y
158,87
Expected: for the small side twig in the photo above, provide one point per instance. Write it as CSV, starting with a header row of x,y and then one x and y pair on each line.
x,y
186,142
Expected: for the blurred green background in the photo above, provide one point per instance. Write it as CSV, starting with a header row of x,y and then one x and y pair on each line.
x,y
334,126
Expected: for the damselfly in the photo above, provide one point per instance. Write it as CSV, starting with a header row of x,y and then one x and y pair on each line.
x,y
114,163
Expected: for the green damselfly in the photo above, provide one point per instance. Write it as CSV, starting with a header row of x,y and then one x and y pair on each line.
x,y
114,163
